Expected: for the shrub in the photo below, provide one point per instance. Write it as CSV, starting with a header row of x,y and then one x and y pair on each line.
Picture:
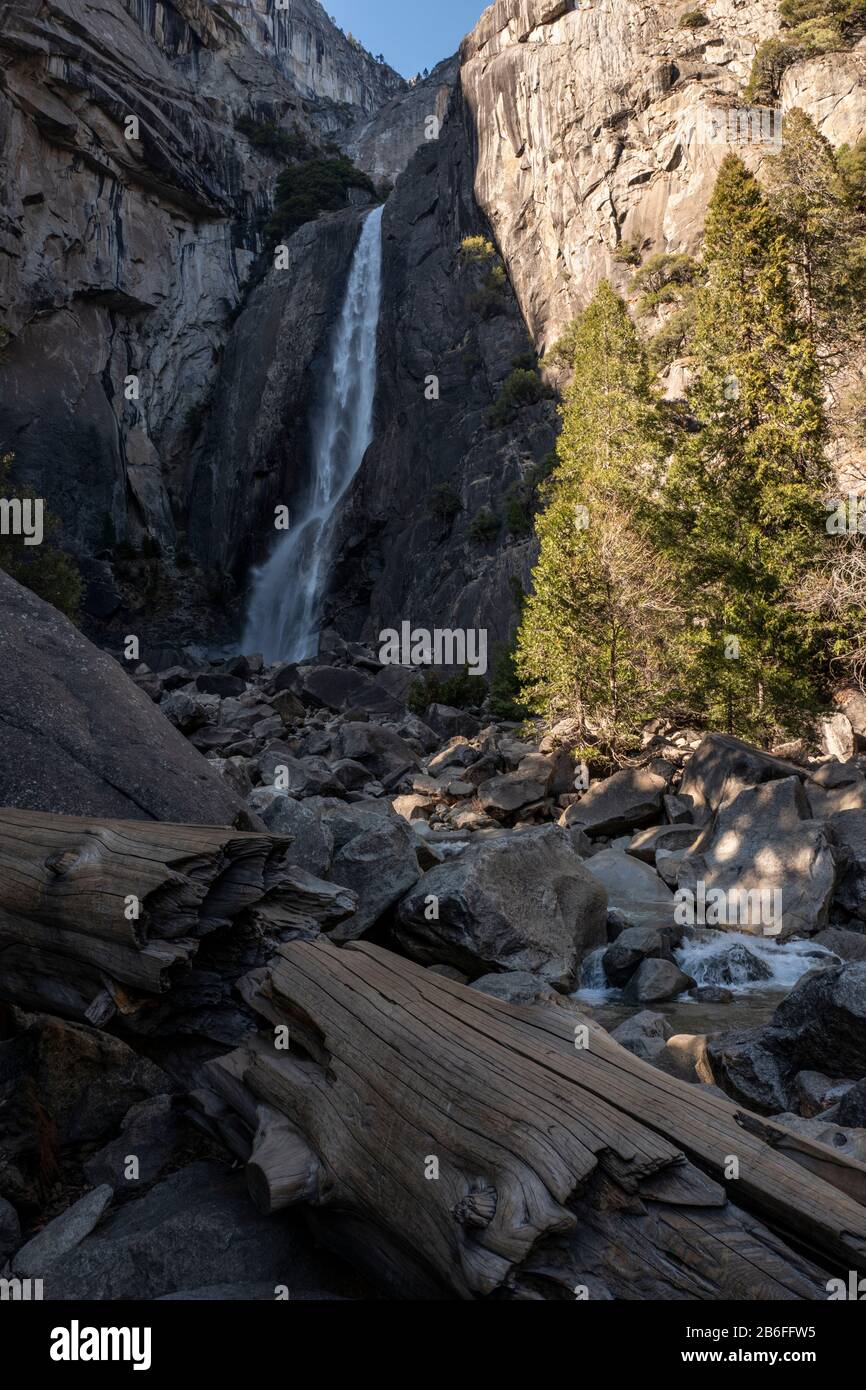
x,y
43,569
484,526
445,503
661,280
476,249
489,300
694,19
851,163
772,60
627,253
306,190
505,700
518,517
460,691
520,389
282,144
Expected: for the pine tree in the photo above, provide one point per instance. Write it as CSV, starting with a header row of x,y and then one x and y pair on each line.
x,y
591,641
826,233
741,512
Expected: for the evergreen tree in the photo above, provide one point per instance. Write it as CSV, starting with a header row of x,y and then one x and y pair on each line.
x,y
825,231
741,511
591,642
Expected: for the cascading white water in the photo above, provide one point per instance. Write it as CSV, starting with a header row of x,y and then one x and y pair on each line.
x,y
282,620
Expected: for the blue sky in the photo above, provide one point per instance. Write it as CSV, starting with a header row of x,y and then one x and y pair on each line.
x,y
412,34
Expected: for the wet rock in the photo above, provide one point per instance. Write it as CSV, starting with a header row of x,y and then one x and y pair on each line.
x,y
634,889
625,801
632,946
656,981
825,1015
520,902
849,945
736,965
711,994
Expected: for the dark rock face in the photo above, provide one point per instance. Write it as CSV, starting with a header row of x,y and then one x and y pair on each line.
x,y
77,736
820,1026
250,456
195,1228
428,328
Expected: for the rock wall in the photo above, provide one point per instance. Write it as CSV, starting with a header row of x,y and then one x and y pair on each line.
x,y
300,39
384,143
398,561
592,129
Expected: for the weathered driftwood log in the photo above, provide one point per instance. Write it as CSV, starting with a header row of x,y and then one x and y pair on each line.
x,y
453,1133
94,915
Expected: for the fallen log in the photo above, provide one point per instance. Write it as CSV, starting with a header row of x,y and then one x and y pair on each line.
x,y
97,917
470,1145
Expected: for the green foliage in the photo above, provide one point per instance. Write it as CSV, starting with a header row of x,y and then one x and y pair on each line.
x,y
43,569
306,190
518,517
445,503
490,298
463,691
740,515
591,643
485,526
282,144
520,389
851,165
694,19
504,694
825,231
627,254
811,27
662,279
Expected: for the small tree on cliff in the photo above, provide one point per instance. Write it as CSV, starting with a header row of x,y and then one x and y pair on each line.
x,y
592,638
742,517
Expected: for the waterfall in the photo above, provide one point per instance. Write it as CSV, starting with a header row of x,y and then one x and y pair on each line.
x,y
283,616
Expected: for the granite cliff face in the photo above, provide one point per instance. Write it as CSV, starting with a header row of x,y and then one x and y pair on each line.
x,y
157,382
592,127
126,260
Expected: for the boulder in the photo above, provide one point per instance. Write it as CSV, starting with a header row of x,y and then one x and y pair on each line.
x,y
825,802
749,1071
685,1056
414,806
504,795
622,958
851,1110
189,712
79,738
644,1034
220,683
458,752
10,1230
300,777
154,1133
312,842
849,1143
656,981
848,945
825,1016
634,890
344,820
837,737
646,843
385,753
446,721
517,902
721,766
62,1234
520,987
194,1229
733,965
816,1092
380,865
848,829
625,801
762,866
344,688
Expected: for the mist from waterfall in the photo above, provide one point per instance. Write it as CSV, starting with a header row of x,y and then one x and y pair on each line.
x,y
284,610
